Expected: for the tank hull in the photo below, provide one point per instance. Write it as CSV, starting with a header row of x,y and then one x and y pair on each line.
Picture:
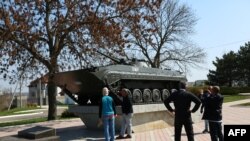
x,y
145,85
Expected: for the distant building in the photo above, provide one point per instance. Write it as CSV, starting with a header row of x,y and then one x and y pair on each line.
x,y
37,89
200,82
40,86
190,84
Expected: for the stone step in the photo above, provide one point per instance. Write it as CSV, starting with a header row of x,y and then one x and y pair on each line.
x,y
37,132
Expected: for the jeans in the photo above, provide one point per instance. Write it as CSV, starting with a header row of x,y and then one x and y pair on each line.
x,y
109,128
216,131
126,124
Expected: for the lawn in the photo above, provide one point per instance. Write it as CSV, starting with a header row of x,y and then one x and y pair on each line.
x,y
17,111
29,121
21,122
245,104
230,98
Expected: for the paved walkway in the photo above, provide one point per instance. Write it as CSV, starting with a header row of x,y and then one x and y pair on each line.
x,y
76,131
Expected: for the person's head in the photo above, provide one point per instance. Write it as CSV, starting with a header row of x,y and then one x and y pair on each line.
x,y
173,90
200,91
215,89
210,88
124,92
105,91
182,85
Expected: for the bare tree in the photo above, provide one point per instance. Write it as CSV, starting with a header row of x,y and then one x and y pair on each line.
x,y
55,35
162,37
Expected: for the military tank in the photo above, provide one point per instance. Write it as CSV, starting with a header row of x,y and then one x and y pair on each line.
x,y
144,84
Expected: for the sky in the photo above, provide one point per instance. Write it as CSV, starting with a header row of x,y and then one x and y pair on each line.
x,y
222,26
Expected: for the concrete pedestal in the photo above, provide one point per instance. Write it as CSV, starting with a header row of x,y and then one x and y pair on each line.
x,y
145,117
37,132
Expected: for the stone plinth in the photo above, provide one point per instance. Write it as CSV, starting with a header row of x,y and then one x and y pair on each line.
x,y
146,117
38,132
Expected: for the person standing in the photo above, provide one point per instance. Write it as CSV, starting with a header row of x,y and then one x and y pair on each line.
x,y
214,114
182,103
203,108
127,114
107,113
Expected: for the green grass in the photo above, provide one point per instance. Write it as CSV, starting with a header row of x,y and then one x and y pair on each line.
x,y
230,98
63,105
21,122
245,104
13,111
29,121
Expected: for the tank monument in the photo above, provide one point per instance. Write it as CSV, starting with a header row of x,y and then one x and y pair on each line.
x,y
147,87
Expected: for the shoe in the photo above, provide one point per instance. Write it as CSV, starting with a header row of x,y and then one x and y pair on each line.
x,y
128,136
120,137
205,131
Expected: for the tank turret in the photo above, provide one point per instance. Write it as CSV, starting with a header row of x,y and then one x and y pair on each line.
x,y
144,85
118,61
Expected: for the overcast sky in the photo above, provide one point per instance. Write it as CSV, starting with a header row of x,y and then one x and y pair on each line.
x,y
223,25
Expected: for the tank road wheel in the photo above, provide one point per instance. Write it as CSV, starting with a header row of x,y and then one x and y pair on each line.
x,y
147,95
137,96
156,95
165,94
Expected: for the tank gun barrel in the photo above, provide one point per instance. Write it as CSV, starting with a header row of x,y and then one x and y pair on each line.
x,y
119,61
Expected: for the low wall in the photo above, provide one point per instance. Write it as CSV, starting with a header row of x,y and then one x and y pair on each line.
x,y
146,117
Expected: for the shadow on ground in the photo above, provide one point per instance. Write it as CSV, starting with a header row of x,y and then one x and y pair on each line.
x,y
79,133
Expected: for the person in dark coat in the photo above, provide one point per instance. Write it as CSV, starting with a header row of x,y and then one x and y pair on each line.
x,y
214,114
127,114
203,98
182,103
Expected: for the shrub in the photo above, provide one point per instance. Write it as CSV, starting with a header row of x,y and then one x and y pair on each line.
x,y
195,90
67,114
31,105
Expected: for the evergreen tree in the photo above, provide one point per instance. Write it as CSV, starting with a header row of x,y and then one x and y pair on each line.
x,y
244,64
226,70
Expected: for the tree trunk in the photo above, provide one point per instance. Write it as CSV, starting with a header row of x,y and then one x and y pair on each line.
x,y
52,92
157,61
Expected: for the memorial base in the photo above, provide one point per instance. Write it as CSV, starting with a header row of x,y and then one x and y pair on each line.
x,y
145,117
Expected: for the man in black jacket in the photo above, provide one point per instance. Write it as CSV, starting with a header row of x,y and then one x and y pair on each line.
x,y
213,114
127,114
203,98
182,102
